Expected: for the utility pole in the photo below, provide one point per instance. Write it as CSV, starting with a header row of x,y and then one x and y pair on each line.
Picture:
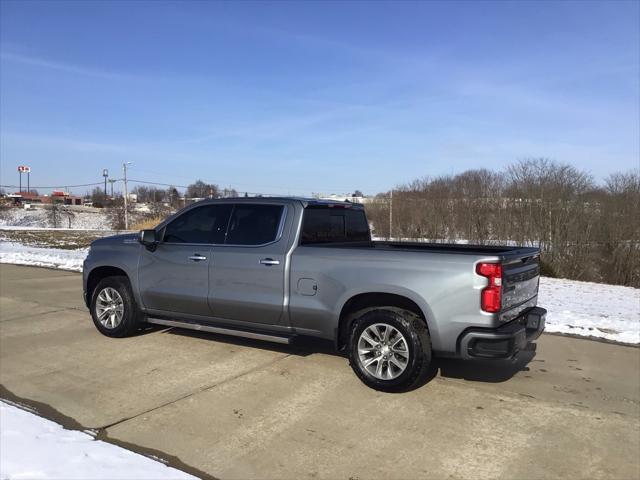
x,y
105,174
390,214
126,212
112,181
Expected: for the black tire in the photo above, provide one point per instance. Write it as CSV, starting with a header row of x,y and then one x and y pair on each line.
x,y
131,317
418,342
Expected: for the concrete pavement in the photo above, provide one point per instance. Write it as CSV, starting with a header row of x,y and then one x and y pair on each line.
x,y
234,408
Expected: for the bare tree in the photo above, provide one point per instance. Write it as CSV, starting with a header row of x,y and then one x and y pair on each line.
x,y
584,231
173,197
147,194
98,198
5,211
228,193
66,212
200,189
54,213
620,229
116,213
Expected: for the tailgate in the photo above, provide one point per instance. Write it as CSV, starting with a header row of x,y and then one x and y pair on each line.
x,y
521,275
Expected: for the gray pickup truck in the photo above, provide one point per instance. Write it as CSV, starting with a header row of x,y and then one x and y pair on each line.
x,y
278,268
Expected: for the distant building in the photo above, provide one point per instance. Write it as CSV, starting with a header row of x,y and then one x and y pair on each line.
x,y
57,196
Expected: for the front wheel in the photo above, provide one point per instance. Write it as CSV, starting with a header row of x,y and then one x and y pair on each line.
x,y
113,308
390,349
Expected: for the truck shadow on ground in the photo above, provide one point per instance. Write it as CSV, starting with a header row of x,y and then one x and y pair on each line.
x,y
487,371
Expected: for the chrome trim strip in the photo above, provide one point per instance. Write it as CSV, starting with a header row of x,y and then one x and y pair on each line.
x,y
220,330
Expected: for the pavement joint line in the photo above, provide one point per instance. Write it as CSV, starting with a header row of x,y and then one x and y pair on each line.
x,y
61,309
196,392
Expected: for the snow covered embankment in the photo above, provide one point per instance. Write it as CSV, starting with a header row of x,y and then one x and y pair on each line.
x,y
18,218
589,309
19,254
33,447
586,309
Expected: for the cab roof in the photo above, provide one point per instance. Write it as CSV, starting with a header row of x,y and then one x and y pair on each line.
x,y
306,202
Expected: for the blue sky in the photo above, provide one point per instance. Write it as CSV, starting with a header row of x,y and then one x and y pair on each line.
x,y
300,97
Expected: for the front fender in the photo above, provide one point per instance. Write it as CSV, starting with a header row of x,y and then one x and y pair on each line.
x,y
125,261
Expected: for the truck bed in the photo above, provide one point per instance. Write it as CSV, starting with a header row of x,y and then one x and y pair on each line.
x,y
520,265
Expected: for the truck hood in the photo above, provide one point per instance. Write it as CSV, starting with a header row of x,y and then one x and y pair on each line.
x,y
116,240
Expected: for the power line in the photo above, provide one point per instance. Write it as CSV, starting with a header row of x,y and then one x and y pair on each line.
x,y
157,183
57,186
173,175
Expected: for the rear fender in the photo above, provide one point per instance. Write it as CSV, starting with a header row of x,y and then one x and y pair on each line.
x,y
393,290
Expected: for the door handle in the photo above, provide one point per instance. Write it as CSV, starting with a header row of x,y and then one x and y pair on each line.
x,y
196,257
269,262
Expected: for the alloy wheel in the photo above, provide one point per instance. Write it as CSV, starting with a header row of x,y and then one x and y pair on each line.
x,y
383,351
109,308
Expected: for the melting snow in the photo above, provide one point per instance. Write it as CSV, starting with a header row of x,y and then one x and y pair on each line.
x,y
33,447
589,309
19,254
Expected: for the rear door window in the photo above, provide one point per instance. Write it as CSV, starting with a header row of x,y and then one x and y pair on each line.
x,y
206,224
254,224
334,224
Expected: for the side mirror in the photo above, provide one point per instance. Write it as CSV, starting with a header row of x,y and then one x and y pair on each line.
x,y
149,239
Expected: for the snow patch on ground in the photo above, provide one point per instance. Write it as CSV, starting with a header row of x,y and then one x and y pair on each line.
x,y
589,309
36,448
19,254
39,218
586,309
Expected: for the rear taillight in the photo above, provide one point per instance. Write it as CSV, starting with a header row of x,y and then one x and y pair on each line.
x,y
491,296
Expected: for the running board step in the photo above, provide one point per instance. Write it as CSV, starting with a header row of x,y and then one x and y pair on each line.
x,y
224,331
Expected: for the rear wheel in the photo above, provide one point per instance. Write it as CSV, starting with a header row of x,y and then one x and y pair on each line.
x,y
390,349
113,308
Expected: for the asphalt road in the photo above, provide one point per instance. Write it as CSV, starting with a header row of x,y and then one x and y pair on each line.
x,y
232,408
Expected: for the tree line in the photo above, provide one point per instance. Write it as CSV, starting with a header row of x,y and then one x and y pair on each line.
x,y
586,230
160,201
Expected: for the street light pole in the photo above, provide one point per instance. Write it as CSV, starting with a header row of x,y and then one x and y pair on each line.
x,y
126,212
